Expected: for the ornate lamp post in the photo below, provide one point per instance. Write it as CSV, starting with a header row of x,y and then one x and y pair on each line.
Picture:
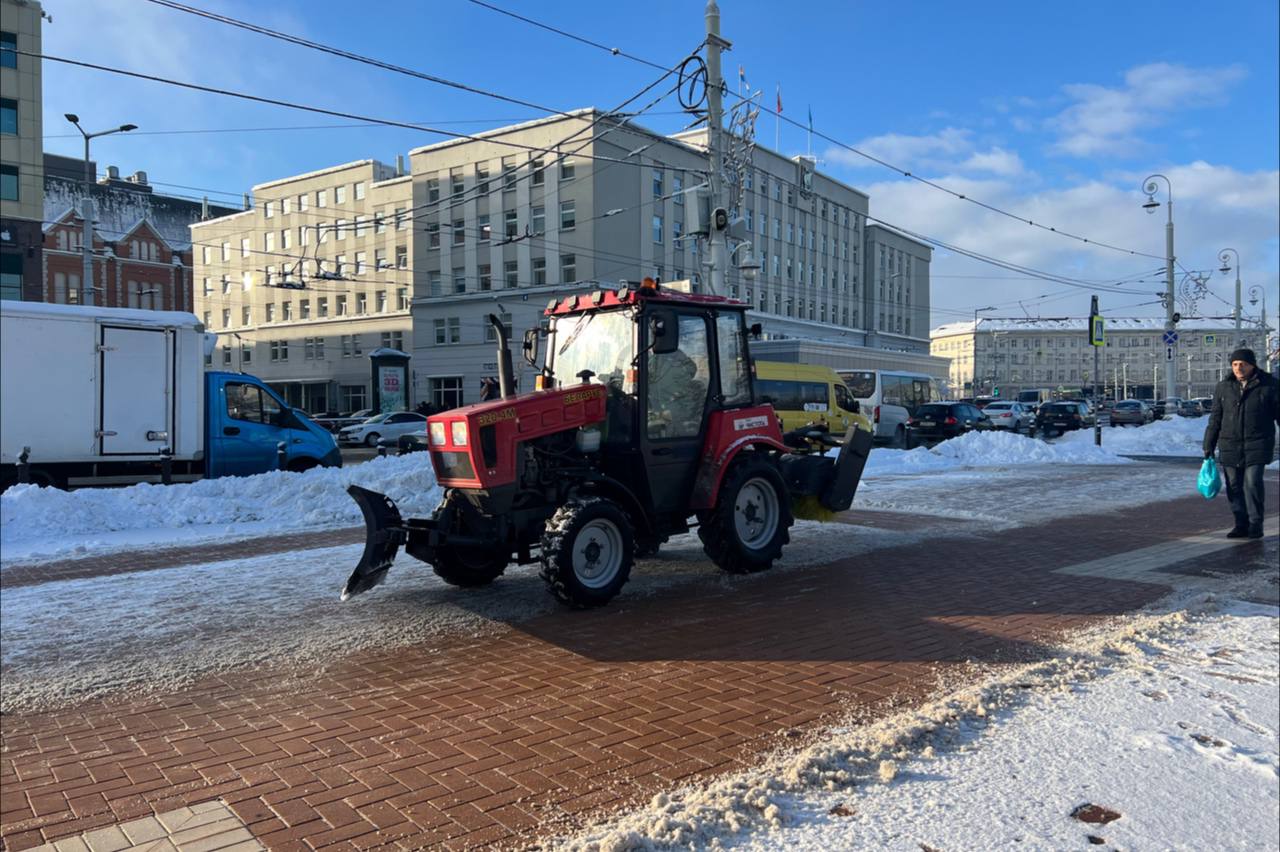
x,y
1224,256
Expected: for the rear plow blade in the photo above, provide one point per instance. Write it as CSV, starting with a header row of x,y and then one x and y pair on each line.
x,y
384,533
838,495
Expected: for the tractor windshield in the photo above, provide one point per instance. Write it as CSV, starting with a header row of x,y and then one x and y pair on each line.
x,y
600,341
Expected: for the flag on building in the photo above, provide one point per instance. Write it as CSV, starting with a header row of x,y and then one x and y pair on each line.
x,y
742,77
811,119
779,97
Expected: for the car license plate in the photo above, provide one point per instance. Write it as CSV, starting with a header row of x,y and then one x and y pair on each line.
x,y
926,422
1059,423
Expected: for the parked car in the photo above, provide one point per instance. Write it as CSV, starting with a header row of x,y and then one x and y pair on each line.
x,y
1013,416
1168,407
1205,403
1189,408
387,425
1131,411
1056,418
983,401
937,421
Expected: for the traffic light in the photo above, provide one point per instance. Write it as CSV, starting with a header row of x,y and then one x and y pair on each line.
x,y
995,391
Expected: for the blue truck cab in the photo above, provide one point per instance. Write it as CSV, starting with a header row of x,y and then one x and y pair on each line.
x,y
248,427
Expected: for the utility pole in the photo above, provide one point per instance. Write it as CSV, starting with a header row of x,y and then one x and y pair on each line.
x,y
1150,187
717,241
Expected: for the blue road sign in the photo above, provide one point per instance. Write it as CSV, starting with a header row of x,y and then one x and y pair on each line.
x,y
1170,338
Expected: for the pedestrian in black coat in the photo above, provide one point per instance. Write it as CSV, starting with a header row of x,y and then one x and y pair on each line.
x,y
1246,412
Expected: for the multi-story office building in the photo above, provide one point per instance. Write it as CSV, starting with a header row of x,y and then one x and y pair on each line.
x,y
310,280
21,146
528,212
1014,355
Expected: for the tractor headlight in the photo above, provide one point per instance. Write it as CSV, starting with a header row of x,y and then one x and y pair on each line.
x,y
437,434
458,431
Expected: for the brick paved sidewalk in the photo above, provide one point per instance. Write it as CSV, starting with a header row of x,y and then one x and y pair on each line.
x,y
560,718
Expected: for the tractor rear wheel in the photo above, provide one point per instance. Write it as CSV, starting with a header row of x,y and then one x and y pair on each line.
x,y
750,523
587,552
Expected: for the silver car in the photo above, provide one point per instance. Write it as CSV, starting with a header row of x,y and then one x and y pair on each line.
x,y
1132,411
1013,416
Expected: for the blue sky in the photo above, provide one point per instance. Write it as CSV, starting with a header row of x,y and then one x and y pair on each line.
x,y
1055,112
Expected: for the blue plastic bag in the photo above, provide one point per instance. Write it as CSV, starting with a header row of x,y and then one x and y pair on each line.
x,y
1209,483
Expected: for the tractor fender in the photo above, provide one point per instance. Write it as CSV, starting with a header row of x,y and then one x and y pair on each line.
x,y
706,488
607,486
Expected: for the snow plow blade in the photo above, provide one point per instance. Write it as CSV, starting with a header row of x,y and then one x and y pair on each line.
x,y
838,495
384,533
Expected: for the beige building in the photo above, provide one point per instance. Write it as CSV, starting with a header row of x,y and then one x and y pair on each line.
x,y
302,286
21,150
1013,355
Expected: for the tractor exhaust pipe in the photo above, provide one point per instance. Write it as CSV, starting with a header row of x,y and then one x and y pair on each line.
x,y
506,385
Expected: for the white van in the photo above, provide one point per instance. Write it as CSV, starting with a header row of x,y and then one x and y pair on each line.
x,y
889,398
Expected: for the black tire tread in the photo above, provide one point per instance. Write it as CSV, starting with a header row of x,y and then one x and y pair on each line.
x,y
556,545
716,527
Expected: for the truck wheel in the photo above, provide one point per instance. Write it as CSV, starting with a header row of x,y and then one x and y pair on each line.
x,y
587,552
469,567
372,439
746,530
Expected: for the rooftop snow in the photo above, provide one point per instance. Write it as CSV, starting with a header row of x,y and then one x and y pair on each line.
x,y
120,211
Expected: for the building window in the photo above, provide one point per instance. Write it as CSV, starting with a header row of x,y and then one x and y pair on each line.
x,y
361,262
402,257
433,189
538,220
379,258
459,232
8,117
657,183
8,50
358,190
393,340
538,175
279,350
269,312
446,392
340,195
568,169
304,309
490,334
539,271
511,224
268,209
268,242
448,331
508,173
402,219
677,190
455,182
244,315
568,215
511,273
435,286
459,279
482,178
485,229
433,235
657,229
286,239
342,305
402,298
381,301
485,273
286,311
226,285
354,397
226,312
362,303
322,198
568,268
226,251
361,225
322,306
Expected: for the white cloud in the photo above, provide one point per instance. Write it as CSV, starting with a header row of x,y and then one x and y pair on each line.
x,y
1104,120
950,149
997,161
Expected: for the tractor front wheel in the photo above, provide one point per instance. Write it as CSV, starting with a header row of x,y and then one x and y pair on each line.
x,y
469,567
750,523
588,549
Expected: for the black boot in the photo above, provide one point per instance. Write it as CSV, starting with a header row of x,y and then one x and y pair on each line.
x,y
1255,530
1240,530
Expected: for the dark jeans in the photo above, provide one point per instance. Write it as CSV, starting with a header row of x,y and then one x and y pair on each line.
x,y
1245,492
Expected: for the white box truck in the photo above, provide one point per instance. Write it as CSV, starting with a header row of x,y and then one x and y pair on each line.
x,y
106,396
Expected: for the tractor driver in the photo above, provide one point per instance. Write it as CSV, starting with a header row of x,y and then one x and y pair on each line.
x,y
677,396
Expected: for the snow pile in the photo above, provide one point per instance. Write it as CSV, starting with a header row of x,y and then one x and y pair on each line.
x,y
1182,697
986,449
36,520
1179,436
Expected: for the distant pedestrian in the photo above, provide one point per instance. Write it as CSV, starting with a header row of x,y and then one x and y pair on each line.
x,y
1246,412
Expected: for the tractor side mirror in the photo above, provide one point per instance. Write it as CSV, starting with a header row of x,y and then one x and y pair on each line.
x,y
664,333
757,330
530,346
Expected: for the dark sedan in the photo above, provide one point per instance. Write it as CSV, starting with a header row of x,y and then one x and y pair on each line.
x,y
1131,412
1056,418
937,421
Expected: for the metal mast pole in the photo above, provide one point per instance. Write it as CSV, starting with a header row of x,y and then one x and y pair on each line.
x,y
86,250
716,240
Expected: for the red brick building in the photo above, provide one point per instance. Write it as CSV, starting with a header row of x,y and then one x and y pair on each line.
x,y
142,253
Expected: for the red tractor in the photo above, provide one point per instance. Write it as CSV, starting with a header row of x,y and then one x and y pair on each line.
x,y
643,419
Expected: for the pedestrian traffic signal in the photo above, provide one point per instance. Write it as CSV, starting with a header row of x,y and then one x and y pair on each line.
x,y
995,391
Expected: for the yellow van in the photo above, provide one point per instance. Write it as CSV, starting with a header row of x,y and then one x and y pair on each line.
x,y
803,394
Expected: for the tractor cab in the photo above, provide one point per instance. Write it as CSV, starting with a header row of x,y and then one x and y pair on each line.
x,y
642,425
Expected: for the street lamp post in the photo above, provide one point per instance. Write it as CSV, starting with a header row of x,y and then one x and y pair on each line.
x,y
1224,256
1150,187
86,204
1256,292
976,380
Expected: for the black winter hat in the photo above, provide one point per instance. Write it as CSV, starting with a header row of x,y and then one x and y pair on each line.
x,y
1245,355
